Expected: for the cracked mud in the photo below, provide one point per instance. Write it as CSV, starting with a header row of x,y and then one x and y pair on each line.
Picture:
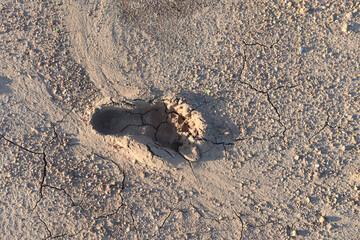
x,y
267,117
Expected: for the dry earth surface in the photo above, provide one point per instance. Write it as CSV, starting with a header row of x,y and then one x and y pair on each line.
x,y
179,119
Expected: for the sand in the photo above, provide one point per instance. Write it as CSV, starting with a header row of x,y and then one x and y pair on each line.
x,y
170,119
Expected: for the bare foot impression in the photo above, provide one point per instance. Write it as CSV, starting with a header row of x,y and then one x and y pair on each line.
x,y
170,123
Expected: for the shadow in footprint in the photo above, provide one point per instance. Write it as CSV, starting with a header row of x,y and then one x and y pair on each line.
x,y
146,119
4,82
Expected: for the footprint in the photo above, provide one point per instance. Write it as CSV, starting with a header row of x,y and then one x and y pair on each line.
x,y
170,123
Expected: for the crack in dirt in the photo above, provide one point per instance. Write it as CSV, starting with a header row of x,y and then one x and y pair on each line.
x,y
133,222
21,147
267,92
242,224
326,124
46,226
277,113
42,181
111,214
57,236
122,204
167,217
44,167
192,170
202,215
43,153
65,192
264,45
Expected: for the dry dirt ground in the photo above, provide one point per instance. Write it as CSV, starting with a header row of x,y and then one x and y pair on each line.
x,y
179,119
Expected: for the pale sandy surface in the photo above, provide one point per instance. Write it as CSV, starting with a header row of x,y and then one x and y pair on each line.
x,y
265,96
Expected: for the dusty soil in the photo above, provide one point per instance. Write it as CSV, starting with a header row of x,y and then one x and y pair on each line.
x,y
179,119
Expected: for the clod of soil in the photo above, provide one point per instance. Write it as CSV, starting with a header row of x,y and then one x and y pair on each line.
x,y
169,123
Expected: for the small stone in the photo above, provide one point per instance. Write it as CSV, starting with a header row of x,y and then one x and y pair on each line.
x,y
296,157
322,219
142,174
307,200
328,226
107,189
301,50
293,233
349,15
304,10
110,223
345,27
333,18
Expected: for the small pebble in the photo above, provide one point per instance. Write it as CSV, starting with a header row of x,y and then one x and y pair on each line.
x,y
142,174
328,226
349,16
345,27
293,233
304,10
301,49
322,219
